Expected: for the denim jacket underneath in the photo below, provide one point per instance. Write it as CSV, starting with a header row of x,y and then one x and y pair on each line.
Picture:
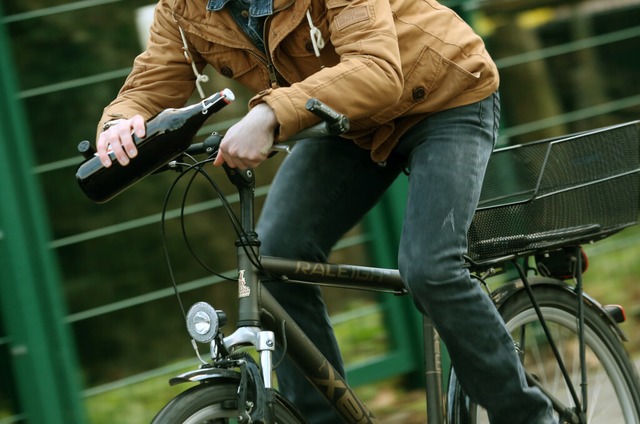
x,y
248,14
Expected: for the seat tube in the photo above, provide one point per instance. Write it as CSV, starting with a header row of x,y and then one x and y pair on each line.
x,y
582,348
433,372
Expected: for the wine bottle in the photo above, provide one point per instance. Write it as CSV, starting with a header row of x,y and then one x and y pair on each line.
x,y
168,134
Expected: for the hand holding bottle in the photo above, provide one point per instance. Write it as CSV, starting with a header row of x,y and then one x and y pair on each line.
x,y
165,137
117,137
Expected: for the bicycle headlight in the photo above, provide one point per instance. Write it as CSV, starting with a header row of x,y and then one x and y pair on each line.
x,y
202,322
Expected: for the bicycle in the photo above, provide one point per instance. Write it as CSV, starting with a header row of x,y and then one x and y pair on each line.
x,y
571,346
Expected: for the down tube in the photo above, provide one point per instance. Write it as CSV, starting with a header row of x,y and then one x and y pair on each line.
x,y
314,365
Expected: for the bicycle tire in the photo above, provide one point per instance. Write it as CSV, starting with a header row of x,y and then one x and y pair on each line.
x,y
216,403
614,392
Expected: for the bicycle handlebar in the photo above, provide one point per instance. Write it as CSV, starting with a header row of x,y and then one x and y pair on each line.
x,y
333,123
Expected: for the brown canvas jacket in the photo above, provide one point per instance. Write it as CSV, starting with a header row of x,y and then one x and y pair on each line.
x,y
386,63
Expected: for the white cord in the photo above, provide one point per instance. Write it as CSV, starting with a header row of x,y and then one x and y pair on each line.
x,y
316,36
200,78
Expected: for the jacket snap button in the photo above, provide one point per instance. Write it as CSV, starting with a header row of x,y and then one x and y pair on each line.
x,y
309,47
226,71
245,13
418,93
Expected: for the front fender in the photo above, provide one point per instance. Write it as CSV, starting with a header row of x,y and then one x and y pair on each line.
x,y
205,374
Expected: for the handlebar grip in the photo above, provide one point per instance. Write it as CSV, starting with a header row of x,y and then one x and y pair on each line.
x,y
208,145
336,122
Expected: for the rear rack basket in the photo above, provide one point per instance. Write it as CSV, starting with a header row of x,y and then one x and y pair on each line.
x,y
555,192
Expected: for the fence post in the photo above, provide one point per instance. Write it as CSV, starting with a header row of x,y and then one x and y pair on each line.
x,y
38,342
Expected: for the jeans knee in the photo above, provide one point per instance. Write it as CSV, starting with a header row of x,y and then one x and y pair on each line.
x,y
432,281
427,271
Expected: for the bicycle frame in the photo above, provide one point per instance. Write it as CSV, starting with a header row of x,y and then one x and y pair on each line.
x,y
262,321
258,310
309,359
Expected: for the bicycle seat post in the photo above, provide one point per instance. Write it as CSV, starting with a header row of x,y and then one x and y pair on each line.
x,y
247,247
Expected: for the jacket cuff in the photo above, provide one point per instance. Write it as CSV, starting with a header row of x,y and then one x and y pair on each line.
x,y
289,107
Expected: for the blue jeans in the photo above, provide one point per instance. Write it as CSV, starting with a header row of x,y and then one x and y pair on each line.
x,y
325,187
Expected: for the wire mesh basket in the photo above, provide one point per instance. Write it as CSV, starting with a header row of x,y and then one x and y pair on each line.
x,y
555,192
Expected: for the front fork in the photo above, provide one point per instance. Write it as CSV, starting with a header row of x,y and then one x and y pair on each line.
x,y
264,343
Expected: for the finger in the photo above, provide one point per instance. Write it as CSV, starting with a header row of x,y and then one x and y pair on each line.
x,y
101,147
248,164
233,162
219,160
139,129
245,163
122,136
253,161
138,125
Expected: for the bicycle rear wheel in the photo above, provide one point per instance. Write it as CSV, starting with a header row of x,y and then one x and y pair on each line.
x,y
613,394
216,403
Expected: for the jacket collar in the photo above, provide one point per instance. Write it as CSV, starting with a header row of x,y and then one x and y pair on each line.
x,y
257,8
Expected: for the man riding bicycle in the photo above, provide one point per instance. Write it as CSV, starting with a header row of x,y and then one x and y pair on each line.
x,y
420,90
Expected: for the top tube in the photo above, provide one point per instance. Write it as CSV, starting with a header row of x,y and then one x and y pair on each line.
x,y
335,275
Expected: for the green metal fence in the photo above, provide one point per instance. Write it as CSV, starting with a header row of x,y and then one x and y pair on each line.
x,y
40,320
38,355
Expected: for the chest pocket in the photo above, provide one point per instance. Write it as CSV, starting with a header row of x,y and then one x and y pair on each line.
x,y
229,62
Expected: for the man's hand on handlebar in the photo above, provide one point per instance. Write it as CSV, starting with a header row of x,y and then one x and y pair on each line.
x,y
117,138
248,143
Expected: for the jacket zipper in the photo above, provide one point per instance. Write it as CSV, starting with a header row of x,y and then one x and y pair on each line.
x,y
271,67
273,77
266,61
